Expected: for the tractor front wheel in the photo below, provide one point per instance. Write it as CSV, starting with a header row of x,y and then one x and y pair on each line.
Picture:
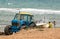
x,y
7,30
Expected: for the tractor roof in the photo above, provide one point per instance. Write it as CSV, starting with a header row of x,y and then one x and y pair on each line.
x,y
25,13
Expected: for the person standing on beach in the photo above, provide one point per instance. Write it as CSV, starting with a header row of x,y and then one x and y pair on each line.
x,y
54,22
50,24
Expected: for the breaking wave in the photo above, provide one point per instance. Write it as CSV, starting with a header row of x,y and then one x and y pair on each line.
x,y
35,11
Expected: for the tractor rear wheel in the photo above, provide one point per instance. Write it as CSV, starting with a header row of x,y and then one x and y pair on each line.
x,y
32,25
7,30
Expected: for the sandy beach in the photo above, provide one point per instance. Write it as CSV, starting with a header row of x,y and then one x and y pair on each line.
x,y
52,33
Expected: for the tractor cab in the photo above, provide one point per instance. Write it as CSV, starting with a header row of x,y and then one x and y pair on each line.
x,y
28,17
25,18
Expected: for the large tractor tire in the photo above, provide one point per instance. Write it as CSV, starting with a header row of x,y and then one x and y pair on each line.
x,y
32,25
7,30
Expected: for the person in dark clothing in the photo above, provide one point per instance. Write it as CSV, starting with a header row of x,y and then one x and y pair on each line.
x,y
54,22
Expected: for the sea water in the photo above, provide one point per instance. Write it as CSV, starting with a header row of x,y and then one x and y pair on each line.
x,y
7,16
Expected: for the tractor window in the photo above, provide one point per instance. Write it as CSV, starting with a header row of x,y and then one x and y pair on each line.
x,y
23,17
28,18
17,16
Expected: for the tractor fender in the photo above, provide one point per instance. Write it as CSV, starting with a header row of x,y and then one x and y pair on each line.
x,y
22,22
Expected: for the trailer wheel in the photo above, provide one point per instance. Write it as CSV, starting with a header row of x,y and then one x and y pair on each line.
x,y
7,30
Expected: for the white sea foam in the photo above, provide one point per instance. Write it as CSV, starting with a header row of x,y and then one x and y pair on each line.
x,y
35,11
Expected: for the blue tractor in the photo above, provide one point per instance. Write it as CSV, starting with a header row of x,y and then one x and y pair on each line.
x,y
21,20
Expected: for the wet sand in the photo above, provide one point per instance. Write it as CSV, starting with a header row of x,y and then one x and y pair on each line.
x,y
52,33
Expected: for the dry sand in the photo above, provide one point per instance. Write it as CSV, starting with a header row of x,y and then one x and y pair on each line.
x,y
52,33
